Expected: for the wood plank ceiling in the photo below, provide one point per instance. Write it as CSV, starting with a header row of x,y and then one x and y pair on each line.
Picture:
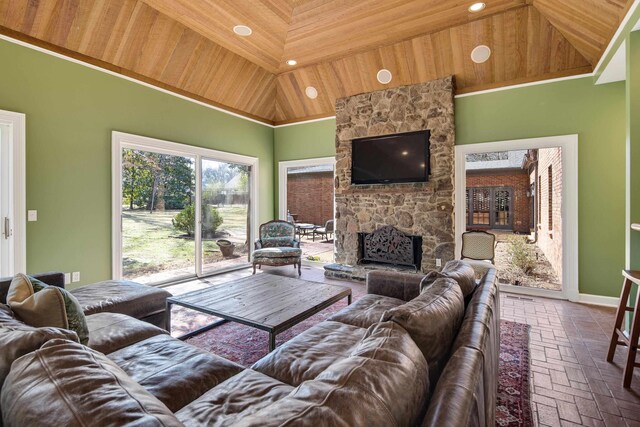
x,y
188,46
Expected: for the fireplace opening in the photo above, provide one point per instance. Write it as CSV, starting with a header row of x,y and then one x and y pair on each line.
x,y
388,245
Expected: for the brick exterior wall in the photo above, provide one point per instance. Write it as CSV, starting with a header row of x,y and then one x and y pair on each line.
x,y
310,197
518,180
549,220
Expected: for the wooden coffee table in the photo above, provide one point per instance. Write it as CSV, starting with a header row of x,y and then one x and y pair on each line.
x,y
265,301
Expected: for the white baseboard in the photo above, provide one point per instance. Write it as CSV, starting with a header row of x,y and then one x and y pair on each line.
x,y
599,300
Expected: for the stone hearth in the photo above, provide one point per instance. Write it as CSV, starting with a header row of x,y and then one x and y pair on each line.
x,y
422,209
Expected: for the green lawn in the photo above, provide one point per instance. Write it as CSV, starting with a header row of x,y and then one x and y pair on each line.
x,y
151,244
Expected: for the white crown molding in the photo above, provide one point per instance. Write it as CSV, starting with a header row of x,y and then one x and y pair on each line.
x,y
522,85
131,79
322,119
617,34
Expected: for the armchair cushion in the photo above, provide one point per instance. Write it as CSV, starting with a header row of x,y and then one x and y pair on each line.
x,y
280,252
275,234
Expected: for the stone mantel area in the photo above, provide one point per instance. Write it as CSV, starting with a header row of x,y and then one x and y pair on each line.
x,y
423,209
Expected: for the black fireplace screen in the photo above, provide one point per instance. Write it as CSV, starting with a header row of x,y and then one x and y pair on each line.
x,y
388,245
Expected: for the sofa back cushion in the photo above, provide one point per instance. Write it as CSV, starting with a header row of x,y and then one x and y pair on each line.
x,y
69,384
432,319
383,382
18,339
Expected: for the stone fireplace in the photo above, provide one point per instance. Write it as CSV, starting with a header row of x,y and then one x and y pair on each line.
x,y
415,209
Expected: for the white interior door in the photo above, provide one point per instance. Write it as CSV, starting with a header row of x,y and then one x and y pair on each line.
x,y
6,186
13,258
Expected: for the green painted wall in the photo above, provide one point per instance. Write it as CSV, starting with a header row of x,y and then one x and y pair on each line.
x,y
595,113
71,111
302,141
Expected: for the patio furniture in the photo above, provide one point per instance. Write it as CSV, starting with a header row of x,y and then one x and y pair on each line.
x,y
479,246
324,231
267,302
277,246
303,229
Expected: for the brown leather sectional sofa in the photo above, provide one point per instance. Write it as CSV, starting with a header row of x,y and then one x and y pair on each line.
x,y
395,357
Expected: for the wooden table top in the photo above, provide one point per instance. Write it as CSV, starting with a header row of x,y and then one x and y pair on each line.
x,y
264,301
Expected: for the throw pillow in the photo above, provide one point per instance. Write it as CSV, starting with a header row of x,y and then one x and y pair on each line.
x,y
39,304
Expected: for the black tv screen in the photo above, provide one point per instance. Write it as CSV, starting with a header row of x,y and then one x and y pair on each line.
x,y
403,157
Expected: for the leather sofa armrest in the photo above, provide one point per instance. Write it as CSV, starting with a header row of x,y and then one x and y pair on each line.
x,y
404,286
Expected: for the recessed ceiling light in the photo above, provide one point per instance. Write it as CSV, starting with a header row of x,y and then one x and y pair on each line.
x,y
292,62
477,7
311,92
384,76
480,54
405,153
242,30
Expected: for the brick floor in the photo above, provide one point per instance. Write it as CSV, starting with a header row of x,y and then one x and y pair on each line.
x,y
572,383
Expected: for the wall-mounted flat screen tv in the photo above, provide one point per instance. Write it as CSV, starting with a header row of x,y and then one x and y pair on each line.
x,y
403,157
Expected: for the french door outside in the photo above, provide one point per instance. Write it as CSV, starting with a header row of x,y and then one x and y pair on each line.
x,y
181,215
490,207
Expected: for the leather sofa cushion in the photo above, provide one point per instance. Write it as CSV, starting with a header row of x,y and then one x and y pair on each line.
x,y
383,383
463,273
67,384
239,396
432,319
311,352
18,339
109,332
124,297
281,252
366,311
173,371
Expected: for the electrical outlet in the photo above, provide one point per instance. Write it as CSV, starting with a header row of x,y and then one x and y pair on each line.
x,y
32,215
75,277
438,262
67,278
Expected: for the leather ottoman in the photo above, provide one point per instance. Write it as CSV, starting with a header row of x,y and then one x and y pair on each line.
x,y
117,296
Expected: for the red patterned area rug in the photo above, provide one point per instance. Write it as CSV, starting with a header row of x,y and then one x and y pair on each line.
x,y
513,408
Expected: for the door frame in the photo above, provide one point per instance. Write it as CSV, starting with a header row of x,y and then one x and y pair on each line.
x,y
120,140
569,145
16,122
283,180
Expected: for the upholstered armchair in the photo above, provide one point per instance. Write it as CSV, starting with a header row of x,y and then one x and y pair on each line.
x,y
277,246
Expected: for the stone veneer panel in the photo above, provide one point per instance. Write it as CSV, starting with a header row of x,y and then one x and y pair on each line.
x,y
424,209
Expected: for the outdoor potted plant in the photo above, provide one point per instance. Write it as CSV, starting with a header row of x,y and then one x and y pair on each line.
x,y
226,247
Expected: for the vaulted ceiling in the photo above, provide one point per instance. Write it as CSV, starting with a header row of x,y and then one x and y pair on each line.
x,y
189,47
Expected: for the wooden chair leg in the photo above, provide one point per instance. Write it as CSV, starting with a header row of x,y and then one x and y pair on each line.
x,y
254,269
622,309
633,344
299,268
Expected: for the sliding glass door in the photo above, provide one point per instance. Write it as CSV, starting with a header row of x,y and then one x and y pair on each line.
x,y
179,213
158,222
225,215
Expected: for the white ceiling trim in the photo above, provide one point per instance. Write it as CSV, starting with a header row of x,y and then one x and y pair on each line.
x,y
131,79
618,32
